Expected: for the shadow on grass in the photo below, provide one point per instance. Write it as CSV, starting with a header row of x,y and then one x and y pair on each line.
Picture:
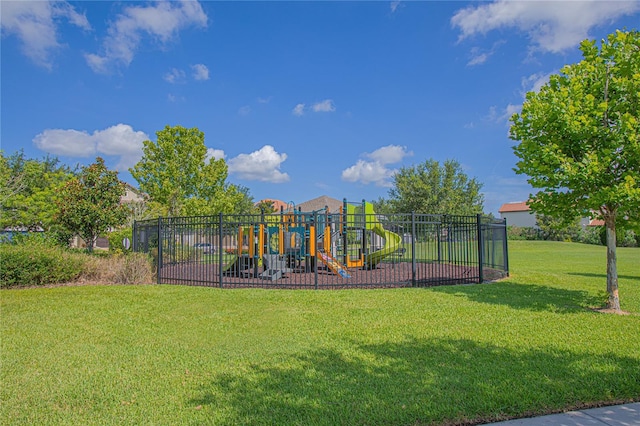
x,y
532,297
604,276
431,381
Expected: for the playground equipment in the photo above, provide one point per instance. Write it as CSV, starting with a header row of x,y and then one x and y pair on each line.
x,y
294,241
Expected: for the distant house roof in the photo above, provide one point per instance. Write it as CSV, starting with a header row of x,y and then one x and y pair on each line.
x,y
320,203
514,207
277,204
596,222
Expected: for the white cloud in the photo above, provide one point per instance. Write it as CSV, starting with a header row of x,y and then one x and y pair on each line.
x,y
324,106
34,24
479,56
160,21
264,100
215,154
503,115
552,26
534,82
173,98
395,5
245,110
200,72
175,76
72,143
119,140
389,154
376,170
298,110
262,165
368,172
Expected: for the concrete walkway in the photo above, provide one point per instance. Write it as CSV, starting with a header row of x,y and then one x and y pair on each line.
x,y
616,415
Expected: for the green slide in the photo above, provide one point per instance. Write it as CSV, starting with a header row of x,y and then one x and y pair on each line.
x,y
392,241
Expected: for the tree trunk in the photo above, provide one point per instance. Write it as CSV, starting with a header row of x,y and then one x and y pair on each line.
x,y
90,240
612,269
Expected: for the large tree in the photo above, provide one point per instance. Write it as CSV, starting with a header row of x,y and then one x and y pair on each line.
x,y
432,188
580,141
180,179
89,204
29,189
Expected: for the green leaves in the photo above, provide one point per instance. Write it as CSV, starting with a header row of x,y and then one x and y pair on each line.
x,y
89,203
579,135
431,188
29,189
179,178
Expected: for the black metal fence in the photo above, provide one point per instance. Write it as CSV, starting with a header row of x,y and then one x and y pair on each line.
x,y
325,250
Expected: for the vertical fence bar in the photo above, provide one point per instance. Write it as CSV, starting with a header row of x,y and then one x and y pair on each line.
x,y
480,249
413,249
134,234
220,251
315,259
345,241
159,262
505,252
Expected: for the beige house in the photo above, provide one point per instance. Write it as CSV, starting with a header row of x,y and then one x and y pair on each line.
x,y
518,214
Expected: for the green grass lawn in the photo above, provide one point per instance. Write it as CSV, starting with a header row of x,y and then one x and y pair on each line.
x,y
173,355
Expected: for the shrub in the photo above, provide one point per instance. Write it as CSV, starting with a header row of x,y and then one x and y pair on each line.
x,y
115,240
523,233
624,238
37,264
590,235
134,268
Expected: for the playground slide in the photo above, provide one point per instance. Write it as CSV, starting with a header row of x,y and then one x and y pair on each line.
x,y
231,265
392,242
333,265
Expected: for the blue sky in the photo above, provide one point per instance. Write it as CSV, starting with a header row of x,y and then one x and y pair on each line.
x,y
302,99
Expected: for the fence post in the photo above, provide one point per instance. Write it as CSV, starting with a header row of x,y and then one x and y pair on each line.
x,y
315,269
159,249
345,239
220,250
480,249
134,235
505,246
413,249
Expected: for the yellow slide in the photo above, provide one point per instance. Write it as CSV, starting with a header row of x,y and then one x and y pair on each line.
x,y
333,265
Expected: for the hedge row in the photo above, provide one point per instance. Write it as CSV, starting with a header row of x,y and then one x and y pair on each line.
x,y
37,265
40,264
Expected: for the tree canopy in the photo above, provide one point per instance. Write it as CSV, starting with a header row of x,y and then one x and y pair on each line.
x,y
29,189
89,203
432,188
181,179
579,140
